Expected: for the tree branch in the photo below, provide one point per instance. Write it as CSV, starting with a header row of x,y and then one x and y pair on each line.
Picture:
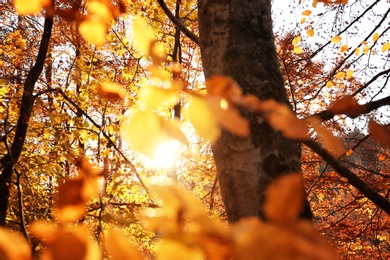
x,y
178,23
353,179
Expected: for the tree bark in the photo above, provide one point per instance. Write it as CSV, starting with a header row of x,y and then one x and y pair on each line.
x,y
10,159
236,40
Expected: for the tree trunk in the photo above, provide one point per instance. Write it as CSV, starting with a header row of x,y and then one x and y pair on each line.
x,y
9,161
236,40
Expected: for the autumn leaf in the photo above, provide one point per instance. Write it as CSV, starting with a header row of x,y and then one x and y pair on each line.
x,y
379,133
203,119
282,118
340,75
349,106
119,247
111,91
25,7
349,73
375,37
146,131
366,49
310,32
228,117
296,40
303,20
223,86
284,199
93,31
306,13
13,246
386,47
71,243
70,203
336,39
344,48
143,35
155,97
331,143
357,51
349,152
298,50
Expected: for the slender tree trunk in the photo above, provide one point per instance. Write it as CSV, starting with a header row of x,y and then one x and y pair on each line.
x,y
236,40
10,159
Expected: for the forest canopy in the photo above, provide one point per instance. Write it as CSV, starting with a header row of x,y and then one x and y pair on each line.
x,y
182,129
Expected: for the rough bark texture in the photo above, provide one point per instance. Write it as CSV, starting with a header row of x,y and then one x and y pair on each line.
x,y
9,161
236,39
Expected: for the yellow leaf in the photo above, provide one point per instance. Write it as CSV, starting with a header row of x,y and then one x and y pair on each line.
x,y
336,39
93,31
375,37
120,247
306,13
144,132
143,35
303,20
154,97
296,40
99,10
25,7
349,74
310,32
329,84
340,75
344,48
386,47
366,49
357,51
203,119
298,49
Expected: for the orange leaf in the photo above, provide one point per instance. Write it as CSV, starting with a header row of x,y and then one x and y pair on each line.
x,y
282,118
306,13
379,133
284,199
344,48
229,117
336,39
310,32
298,49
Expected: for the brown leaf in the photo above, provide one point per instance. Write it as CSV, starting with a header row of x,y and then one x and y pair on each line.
x,y
379,133
284,198
71,203
347,106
